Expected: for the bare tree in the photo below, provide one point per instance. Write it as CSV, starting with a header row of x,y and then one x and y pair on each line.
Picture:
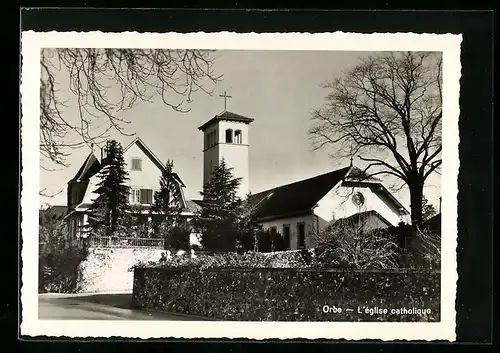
x,y
105,82
387,111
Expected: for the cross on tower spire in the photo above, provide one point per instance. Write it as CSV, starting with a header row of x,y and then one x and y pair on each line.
x,y
225,96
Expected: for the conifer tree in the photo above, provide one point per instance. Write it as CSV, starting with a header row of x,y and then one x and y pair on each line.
x,y
248,227
221,210
108,210
168,203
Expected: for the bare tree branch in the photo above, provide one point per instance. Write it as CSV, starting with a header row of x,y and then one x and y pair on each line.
x,y
105,82
387,110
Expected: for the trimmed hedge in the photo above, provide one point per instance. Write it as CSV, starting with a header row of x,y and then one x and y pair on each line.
x,y
289,294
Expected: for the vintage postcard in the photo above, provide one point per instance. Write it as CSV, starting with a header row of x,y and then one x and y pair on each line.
x,y
240,185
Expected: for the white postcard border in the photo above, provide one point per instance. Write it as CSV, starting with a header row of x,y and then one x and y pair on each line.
x,y
31,44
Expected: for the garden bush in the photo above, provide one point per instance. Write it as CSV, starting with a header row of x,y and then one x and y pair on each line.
x,y
58,269
251,259
58,256
352,245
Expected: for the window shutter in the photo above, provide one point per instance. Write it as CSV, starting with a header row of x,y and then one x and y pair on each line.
x,y
150,196
136,164
146,196
143,196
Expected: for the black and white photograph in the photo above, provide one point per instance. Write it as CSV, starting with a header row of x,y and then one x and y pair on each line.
x,y
280,186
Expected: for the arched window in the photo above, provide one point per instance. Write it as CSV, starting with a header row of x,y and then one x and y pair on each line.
x,y
238,137
229,136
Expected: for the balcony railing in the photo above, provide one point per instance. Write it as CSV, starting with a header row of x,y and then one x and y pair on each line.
x,y
122,242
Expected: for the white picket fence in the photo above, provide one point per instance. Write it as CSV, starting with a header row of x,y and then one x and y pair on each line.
x,y
124,242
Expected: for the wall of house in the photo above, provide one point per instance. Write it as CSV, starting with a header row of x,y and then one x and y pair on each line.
x,y
75,222
89,193
148,177
338,204
310,222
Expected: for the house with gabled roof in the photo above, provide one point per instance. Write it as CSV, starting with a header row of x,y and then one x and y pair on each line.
x,y
144,169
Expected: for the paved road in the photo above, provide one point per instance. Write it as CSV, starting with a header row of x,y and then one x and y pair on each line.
x,y
97,307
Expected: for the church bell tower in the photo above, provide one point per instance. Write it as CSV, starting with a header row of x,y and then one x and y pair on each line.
x,y
227,136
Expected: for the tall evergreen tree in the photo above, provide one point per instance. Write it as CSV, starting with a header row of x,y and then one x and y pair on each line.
x,y
221,210
108,210
168,203
249,229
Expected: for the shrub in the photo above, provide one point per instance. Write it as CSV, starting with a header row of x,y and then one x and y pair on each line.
x,y
251,259
59,269
58,256
351,245
422,248
179,238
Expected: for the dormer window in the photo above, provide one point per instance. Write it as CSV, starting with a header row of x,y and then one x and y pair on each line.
x,y
237,137
229,136
136,164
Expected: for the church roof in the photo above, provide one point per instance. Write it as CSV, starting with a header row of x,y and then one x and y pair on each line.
x,y
357,174
227,116
298,197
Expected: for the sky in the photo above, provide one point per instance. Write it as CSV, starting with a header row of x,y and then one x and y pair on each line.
x,y
279,89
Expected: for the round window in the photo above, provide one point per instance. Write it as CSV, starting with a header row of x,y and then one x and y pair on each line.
x,y
358,199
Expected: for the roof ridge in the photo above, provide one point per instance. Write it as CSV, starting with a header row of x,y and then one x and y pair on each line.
x,y
84,167
302,180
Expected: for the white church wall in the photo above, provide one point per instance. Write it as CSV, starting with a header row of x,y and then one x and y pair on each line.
x,y
236,157
208,131
310,227
210,160
224,125
338,204
235,154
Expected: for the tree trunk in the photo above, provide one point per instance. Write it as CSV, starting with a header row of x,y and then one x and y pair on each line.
x,y
416,195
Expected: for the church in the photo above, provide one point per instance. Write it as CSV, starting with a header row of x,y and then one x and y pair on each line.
x,y
297,210
301,209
